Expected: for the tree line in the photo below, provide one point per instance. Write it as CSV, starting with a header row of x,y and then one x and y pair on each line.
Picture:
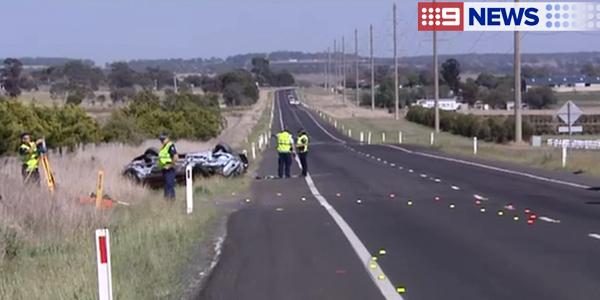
x,y
487,88
181,115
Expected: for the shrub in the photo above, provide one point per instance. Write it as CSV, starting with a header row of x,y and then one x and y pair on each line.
x,y
491,129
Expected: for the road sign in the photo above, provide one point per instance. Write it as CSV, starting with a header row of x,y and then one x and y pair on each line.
x,y
574,129
569,113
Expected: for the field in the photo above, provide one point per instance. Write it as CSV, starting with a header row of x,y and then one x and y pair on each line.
x,y
46,240
364,120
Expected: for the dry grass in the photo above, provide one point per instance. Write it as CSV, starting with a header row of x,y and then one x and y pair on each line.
x,y
46,240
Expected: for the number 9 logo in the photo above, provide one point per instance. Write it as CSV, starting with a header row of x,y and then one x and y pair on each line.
x,y
451,16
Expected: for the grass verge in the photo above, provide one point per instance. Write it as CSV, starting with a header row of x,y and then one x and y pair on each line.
x,y
416,134
47,248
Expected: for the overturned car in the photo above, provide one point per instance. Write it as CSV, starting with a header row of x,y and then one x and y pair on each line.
x,y
220,161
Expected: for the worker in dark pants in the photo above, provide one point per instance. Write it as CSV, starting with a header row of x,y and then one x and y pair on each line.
x,y
167,156
30,156
302,149
285,147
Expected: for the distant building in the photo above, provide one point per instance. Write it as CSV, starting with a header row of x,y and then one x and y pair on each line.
x,y
569,83
449,104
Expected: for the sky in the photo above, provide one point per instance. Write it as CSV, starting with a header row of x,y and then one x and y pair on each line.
x,y
111,30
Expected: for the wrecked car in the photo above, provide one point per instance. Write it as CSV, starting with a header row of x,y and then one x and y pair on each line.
x,y
220,161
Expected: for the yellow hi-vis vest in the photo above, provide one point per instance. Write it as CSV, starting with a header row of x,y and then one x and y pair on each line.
x,y
31,158
284,144
164,157
302,143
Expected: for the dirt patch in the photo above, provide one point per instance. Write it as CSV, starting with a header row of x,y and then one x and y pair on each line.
x,y
240,123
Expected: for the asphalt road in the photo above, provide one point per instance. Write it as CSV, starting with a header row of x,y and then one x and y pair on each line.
x,y
449,229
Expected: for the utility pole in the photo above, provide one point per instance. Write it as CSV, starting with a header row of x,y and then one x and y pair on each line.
x,y
436,82
335,65
518,120
396,96
357,66
328,68
344,70
372,68
175,83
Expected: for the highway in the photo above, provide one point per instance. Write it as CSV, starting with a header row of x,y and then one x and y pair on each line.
x,y
397,222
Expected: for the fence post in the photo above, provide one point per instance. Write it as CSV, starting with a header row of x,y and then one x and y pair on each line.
x,y
189,189
432,139
399,137
474,145
103,263
383,137
564,156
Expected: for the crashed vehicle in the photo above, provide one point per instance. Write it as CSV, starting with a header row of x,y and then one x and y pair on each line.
x,y
220,161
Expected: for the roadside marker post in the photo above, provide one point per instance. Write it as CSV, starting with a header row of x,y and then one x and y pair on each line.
x,y
260,142
253,150
399,137
564,157
103,263
383,137
100,189
189,189
369,138
431,138
474,145
362,137
350,133
335,124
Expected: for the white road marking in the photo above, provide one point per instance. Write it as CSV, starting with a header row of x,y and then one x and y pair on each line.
x,y
478,197
385,286
424,175
392,165
470,163
455,188
594,236
321,127
549,220
411,171
438,180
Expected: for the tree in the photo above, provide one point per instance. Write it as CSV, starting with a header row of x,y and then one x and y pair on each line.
x,y
451,74
540,97
487,80
121,76
284,78
261,69
470,91
10,77
589,70
238,88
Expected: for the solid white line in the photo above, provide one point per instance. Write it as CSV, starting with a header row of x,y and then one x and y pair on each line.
x,y
549,220
385,286
470,163
594,236
321,127
478,197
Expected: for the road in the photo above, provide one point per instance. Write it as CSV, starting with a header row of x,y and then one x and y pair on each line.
x,y
372,218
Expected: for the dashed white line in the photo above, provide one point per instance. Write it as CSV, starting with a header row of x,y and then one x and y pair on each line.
x,y
455,188
549,220
470,163
594,236
478,197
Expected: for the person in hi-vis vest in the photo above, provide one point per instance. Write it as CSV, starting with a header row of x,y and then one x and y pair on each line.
x,y
167,156
302,150
285,150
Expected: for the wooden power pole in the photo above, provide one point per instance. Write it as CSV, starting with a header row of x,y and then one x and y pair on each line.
x,y
372,68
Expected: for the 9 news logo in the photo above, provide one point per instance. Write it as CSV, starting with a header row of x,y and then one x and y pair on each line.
x,y
508,16
441,16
